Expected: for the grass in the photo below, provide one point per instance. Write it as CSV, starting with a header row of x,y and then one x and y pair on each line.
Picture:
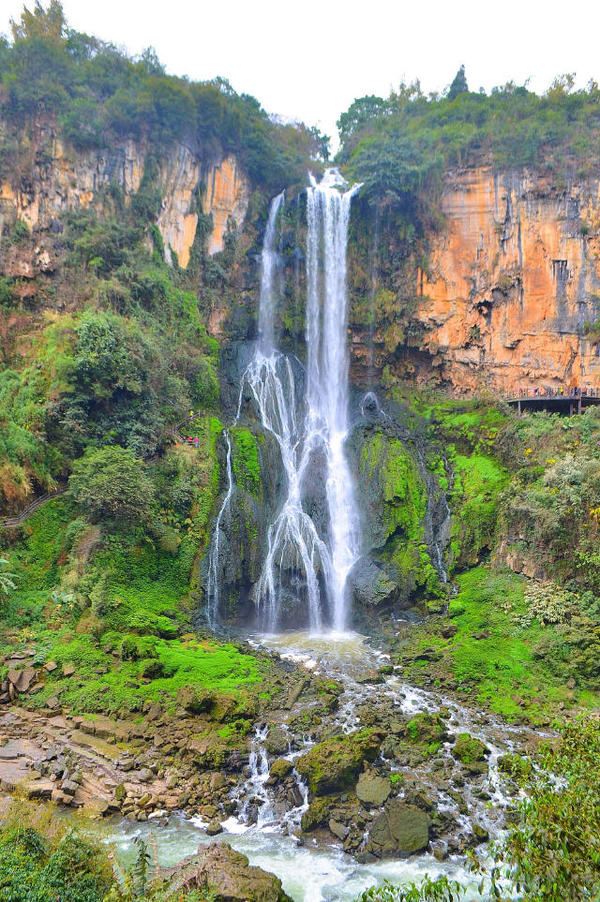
x,y
490,658
104,683
120,624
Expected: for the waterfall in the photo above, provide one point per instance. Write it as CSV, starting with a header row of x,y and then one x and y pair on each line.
x,y
270,277
299,560
327,376
212,586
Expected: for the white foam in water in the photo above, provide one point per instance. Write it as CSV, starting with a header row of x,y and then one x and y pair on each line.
x,y
307,875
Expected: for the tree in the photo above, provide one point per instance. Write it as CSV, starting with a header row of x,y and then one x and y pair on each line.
x,y
112,483
459,84
359,113
47,24
7,580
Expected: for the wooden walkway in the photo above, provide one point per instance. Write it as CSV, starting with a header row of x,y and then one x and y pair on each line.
x,y
567,402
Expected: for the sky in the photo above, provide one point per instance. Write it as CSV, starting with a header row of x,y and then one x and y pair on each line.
x,y
309,60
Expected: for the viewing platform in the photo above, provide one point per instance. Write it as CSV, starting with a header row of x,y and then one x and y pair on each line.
x,y
567,401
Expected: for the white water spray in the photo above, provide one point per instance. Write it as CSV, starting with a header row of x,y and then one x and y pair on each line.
x,y
327,375
299,560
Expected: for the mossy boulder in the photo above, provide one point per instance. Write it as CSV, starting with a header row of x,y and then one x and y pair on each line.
x,y
400,830
317,814
280,769
334,765
428,730
516,767
224,875
471,753
196,701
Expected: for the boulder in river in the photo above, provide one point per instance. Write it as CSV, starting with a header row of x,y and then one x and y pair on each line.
x,y
373,789
471,752
335,763
400,829
227,876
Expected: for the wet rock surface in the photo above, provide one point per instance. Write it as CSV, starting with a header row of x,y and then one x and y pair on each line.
x,y
400,829
227,876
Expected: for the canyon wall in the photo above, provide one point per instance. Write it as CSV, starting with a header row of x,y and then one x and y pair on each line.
x,y
52,179
511,283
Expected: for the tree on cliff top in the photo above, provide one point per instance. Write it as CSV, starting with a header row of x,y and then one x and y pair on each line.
x,y
459,84
47,24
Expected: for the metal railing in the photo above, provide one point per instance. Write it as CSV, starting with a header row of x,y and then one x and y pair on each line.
x,y
553,394
12,522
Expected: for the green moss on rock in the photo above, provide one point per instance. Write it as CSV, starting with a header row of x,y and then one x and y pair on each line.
x,y
335,764
246,460
396,500
471,752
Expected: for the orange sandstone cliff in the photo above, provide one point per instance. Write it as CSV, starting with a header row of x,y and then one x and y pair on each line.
x,y
512,281
53,179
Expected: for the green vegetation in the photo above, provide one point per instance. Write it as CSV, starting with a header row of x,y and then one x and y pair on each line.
x,y
399,147
553,852
478,481
99,96
484,651
41,860
46,858
438,889
246,460
111,484
396,495
112,601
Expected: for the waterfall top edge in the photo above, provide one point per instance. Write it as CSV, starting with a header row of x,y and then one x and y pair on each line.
x,y
333,178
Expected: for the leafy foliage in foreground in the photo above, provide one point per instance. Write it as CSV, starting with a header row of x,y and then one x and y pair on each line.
x,y
554,852
440,889
41,861
44,858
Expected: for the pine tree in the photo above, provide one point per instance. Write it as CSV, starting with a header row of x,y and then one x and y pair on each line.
x,y
459,84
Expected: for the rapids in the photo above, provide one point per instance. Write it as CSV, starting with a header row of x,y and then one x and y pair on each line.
x,y
310,873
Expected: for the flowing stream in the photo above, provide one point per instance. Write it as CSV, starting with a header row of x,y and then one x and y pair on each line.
x,y
267,835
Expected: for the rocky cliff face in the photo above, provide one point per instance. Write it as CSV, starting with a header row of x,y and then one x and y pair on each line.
x,y
53,179
512,281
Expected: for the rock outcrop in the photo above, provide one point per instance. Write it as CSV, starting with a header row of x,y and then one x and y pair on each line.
x,y
400,829
54,179
227,876
513,278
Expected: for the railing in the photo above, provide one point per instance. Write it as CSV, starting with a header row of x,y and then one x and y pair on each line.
x,y
553,394
12,522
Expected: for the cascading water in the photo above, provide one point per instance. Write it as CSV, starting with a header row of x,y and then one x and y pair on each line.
x,y
293,541
314,428
214,570
327,374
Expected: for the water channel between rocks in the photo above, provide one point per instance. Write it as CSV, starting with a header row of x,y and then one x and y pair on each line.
x,y
310,873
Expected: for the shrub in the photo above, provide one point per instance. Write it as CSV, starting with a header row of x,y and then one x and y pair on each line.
x,y
112,483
